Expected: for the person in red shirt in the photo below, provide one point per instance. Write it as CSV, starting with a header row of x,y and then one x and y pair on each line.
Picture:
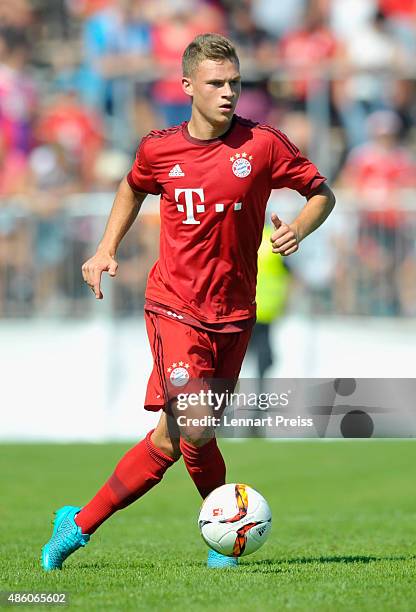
x,y
306,53
401,20
378,171
378,174
76,128
214,175
182,21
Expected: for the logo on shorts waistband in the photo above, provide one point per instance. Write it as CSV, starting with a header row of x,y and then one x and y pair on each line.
x,y
179,374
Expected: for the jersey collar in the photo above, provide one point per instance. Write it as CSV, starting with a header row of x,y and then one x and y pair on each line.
x,y
204,143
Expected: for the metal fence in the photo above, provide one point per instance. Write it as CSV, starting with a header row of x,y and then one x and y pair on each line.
x,y
359,262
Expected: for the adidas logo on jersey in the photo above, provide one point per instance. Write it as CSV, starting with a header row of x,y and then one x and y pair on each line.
x,y
176,171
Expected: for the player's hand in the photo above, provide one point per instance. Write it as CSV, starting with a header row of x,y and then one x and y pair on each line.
x,y
93,269
284,240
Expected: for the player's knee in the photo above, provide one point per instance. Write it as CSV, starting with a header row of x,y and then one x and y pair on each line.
x,y
195,424
197,436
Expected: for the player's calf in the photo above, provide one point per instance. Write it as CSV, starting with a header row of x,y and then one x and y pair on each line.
x,y
199,448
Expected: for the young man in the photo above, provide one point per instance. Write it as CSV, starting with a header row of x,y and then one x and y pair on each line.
x,y
214,175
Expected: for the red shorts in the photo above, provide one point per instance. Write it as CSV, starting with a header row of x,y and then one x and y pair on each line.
x,y
182,353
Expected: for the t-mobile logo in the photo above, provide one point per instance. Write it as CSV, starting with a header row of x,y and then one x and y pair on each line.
x,y
192,207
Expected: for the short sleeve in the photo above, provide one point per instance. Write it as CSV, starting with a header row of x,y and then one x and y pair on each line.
x,y
291,169
141,177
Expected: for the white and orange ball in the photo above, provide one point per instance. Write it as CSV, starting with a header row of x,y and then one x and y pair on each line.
x,y
235,520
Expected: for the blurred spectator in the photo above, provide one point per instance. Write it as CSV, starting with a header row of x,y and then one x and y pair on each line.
x,y
306,53
379,169
110,167
255,102
137,254
209,15
49,253
85,8
16,273
297,125
14,171
402,97
18,97
377,172
51,22
257,53
406,275
401,16
278,18
118,56
54,174
254,44
70,75
351,16
371,53
171,34
15,14
76,129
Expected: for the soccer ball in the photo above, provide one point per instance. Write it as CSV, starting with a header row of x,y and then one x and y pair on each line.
x,y
235,520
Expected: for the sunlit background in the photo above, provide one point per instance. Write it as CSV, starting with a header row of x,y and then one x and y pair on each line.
x,y
81,81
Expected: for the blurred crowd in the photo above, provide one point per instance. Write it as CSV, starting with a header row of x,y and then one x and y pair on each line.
x,y
82,80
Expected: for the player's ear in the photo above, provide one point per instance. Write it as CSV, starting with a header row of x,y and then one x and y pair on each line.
x,y
187,86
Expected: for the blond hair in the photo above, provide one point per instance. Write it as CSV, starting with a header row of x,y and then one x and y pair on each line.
x,y
207,46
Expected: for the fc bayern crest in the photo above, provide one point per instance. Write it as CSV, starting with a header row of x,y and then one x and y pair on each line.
x,y
241,164
179,374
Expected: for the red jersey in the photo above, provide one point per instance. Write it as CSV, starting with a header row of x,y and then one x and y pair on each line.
x,y
305,51
378,174
398,8
213,200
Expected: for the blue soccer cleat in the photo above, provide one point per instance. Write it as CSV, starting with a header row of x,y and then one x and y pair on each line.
x,y
66,539
218,561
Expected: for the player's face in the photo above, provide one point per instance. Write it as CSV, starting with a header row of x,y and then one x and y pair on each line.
x,y
215,87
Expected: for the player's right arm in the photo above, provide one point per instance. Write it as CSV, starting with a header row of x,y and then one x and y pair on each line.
x,y
126,207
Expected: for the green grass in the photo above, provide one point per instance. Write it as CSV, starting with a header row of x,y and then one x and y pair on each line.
x,y
343,534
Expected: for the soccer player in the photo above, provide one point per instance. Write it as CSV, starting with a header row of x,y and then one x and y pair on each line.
x,y
214,175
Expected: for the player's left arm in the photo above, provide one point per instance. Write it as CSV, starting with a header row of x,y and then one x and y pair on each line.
x,y
287,237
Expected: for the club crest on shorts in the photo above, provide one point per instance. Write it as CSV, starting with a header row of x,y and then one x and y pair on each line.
x,y
241,164
178,373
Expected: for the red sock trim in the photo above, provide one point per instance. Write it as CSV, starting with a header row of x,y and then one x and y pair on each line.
x,y
192,451
205,465
118,488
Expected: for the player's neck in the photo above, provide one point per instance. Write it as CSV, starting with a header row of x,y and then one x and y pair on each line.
x,y
200,128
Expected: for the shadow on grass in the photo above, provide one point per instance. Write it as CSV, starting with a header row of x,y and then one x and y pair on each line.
x,y
264,566
277,565
139,564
